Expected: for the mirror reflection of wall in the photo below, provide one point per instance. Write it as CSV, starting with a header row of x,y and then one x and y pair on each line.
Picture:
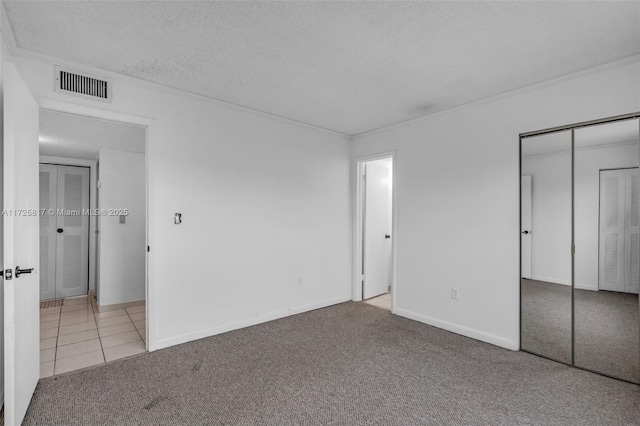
x,y
607,260
582,309
546,242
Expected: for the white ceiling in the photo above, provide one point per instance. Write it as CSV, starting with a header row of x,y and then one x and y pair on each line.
x,y
620,132
346,66
74,136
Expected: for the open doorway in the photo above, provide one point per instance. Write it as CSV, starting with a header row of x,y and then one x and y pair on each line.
x,y
92,241
374,241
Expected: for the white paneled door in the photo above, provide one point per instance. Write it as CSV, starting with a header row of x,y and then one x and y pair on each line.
x,y
525,215
377,229
64,236
619,254
20,225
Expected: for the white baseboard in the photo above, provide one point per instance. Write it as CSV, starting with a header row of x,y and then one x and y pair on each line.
x,y
188,337
564,282
586,287
118,306
459,329
551,280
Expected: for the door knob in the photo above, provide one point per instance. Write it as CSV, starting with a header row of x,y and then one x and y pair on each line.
x,y
387,236
525,232
22,271
60,230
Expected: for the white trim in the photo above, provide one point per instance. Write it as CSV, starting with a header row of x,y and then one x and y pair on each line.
x,y
587,287
551,280
561,281
511,93
462,330
583,148
48,59
149,123
356,175
93,222
188,337
92,112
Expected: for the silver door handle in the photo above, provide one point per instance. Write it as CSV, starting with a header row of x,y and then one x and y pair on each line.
x,y
22,271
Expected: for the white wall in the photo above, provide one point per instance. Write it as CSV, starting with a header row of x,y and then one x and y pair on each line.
x,y
122,246
550,214
264,202
551,210
457,194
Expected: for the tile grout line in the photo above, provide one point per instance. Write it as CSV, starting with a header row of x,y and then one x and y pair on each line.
x,y
55,353
136,328
93,309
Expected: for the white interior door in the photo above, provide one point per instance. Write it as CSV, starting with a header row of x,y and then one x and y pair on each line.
x,y
48,196
612,230
21,234
377,229
632,243
72,232
525,214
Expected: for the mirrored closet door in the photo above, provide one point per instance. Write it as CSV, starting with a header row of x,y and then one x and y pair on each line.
x,y
580,246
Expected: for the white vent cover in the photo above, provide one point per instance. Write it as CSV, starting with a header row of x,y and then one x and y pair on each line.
x,y
82,84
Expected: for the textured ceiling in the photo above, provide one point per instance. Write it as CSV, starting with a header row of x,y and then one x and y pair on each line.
x,y
345,66
74,136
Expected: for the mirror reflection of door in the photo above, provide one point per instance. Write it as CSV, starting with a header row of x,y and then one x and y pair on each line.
x,y
618,254
546,205
525,224
607,258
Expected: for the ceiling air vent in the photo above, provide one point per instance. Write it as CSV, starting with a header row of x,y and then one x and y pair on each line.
x,y
82,84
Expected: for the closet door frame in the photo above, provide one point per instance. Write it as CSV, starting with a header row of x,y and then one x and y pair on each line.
x,y
93,220
48,250
572,128
72,241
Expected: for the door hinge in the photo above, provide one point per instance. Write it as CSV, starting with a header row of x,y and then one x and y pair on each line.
x,y
98,184
148,249
573,249
8,274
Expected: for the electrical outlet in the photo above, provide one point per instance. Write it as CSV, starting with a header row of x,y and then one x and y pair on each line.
x,y
455,293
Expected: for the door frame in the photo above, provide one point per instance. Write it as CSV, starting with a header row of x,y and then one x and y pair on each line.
x,y
521,137
149,124
357,220
93,222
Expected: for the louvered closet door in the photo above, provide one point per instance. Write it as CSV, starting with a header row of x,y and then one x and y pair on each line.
x,y
48,191
72,248
612,230
632,242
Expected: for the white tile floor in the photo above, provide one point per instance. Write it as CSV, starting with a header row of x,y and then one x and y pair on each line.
x,y
76,335
383,301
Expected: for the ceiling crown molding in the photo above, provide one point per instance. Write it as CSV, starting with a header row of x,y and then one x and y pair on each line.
x,y
5,28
